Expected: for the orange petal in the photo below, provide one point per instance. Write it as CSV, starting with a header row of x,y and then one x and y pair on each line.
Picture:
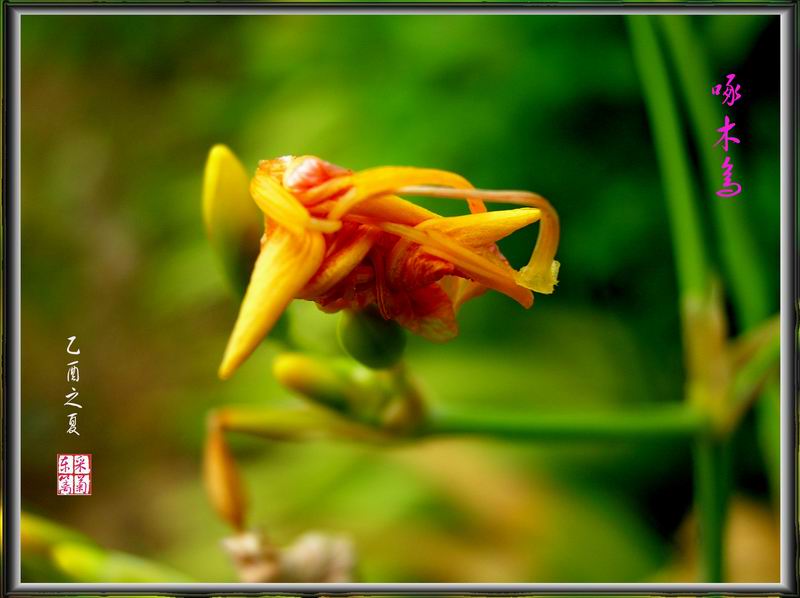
x,y
409,266
306,172
387,179
461,290
429,312
284,266
541,273
347,252
478,267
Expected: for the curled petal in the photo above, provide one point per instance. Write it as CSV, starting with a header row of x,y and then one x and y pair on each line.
x,y
285,265
541,273
386,180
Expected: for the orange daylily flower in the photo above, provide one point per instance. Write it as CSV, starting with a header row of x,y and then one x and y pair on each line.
x,y
346,240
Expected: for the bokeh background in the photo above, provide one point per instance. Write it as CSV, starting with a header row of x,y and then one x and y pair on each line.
x,y
118,115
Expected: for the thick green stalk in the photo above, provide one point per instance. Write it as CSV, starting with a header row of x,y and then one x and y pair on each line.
x,y
738,250
743,264
672,152
673,421
711,493
712,488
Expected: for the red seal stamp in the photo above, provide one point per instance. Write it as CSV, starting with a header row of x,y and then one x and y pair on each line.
x,y
74,475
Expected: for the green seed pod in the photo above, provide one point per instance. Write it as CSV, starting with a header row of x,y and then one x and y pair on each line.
x,y
370,339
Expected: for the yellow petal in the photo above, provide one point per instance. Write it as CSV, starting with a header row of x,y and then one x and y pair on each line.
x,y
476,266
461,290
277,203
482,230
541,273
387,179
478,232
286,263
232,221
391,208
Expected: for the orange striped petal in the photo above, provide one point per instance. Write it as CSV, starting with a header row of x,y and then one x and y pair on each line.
x,y
285,265
409,266
541,273
306,172
429,312
478,267
479,232
343,256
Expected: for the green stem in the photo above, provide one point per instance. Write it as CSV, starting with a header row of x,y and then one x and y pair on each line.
x,y
673,421
737,248
712,480
740,256
711,493
672,153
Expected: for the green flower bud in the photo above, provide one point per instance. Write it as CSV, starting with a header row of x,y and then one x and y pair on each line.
x,y
337,384
233,223
384,400
370,339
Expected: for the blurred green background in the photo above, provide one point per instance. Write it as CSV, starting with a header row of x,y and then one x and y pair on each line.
x,y
118,115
